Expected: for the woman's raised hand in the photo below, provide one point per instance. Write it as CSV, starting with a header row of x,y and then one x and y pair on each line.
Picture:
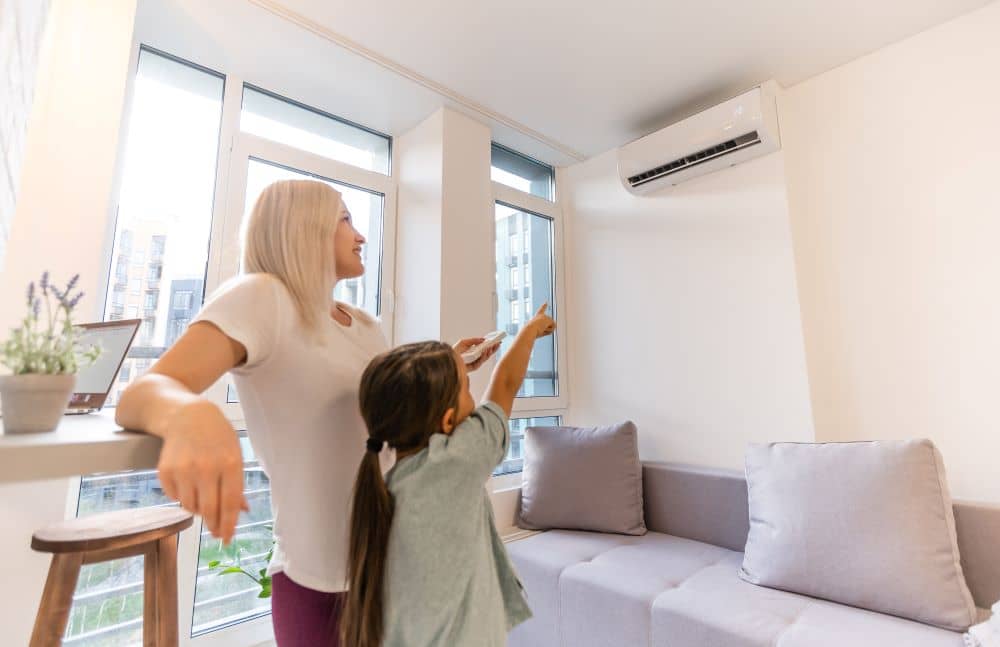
x,y
201,466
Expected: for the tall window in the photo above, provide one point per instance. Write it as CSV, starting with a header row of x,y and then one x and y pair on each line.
x,y
168,182
527,223
542,380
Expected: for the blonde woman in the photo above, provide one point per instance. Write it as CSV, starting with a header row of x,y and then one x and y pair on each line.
x,y
297,357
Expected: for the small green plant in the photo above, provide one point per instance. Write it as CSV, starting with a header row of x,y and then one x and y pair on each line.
x,y
233,566
47,343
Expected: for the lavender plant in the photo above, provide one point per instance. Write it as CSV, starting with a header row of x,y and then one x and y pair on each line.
x,y
47,342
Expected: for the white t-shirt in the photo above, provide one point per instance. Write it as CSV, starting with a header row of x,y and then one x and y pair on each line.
x,y
299,392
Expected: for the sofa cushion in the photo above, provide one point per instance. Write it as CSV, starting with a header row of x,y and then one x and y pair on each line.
x,y
583,479
595,590
606,601
869,524
716,607
540,562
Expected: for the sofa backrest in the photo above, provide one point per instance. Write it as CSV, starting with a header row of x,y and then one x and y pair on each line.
x,y
710,505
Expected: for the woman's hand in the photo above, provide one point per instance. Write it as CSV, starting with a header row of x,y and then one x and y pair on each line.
x,y
466,344
201,465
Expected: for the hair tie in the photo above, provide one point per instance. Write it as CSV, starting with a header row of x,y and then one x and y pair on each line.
x,y
375,445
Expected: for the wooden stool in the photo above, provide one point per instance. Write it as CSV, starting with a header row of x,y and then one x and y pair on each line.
x,y
151,532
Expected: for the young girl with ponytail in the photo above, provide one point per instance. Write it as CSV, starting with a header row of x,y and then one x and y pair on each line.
x,y
426,566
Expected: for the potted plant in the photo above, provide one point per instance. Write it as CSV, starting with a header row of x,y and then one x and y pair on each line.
x,y
43,355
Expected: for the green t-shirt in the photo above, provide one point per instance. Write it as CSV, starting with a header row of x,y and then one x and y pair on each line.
x,y
449,581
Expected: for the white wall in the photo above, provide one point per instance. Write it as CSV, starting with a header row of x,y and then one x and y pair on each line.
x,y
893,165
684,311
22,25
64,211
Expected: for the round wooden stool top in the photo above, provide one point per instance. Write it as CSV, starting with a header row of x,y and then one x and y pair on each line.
x,y
111,530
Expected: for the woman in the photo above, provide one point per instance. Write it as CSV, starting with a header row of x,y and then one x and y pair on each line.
x,y
297,357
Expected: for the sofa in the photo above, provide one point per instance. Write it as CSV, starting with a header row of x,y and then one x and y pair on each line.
x,y
678,585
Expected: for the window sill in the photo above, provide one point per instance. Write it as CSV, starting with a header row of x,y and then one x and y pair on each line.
x,y
517,534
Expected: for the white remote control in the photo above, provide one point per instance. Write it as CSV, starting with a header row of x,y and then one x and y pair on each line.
x,y
491,340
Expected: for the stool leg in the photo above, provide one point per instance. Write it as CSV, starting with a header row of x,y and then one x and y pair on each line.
x,y
57,599
150,619
166,592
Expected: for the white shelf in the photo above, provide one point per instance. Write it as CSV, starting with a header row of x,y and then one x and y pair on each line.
x,y
83,444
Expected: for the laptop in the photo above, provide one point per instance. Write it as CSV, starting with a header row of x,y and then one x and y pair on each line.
x,y
94,382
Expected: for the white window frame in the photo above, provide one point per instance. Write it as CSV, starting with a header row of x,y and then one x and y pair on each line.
x,y
235,150
534,407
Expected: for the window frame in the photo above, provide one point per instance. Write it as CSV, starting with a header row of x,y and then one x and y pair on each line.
x,y
530,407
234,150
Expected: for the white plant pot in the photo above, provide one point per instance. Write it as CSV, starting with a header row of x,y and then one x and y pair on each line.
x,y
34,402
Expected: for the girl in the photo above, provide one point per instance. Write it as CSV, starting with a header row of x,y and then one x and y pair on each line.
x,y
426,565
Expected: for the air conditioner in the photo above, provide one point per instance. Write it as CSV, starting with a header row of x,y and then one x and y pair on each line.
x,y
734,131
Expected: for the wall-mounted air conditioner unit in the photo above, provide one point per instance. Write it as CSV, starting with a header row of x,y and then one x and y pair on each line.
x,y
734,131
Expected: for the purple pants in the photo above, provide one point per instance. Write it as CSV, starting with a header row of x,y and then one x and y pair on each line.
x,y
303,617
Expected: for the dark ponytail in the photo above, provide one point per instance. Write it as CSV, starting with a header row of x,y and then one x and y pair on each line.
x,y
404,395
371,518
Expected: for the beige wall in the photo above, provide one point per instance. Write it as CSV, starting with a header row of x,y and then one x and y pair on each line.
x,y
683,311
61,224
893,165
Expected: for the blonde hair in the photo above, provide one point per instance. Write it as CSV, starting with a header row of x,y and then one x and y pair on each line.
x,y
289,234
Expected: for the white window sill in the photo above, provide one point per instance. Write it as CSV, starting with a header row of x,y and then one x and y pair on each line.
x,y
516,534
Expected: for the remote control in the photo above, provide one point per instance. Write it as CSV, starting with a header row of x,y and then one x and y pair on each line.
x,y
491,340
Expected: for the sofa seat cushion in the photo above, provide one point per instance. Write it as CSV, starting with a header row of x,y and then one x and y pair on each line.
x,y
593,590
716,607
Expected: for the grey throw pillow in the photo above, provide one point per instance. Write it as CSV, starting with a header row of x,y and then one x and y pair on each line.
x,y
869,524
582,479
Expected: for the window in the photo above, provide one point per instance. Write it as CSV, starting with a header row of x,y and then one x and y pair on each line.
x,y
515,246
542,380
223,600
182,300
527,275
514,461
293,124
366,209
173,139
173,133
107,606
522,173
514,284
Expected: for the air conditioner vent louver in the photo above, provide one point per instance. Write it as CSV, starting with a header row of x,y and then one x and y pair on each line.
x,y
700,157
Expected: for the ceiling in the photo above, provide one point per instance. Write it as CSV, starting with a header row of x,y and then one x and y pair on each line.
x,y
595,74
584,76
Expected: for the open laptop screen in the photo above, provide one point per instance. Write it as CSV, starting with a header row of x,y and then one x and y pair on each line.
x,y
94,382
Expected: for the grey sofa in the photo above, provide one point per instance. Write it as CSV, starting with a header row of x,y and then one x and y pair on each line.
x,y
677,586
